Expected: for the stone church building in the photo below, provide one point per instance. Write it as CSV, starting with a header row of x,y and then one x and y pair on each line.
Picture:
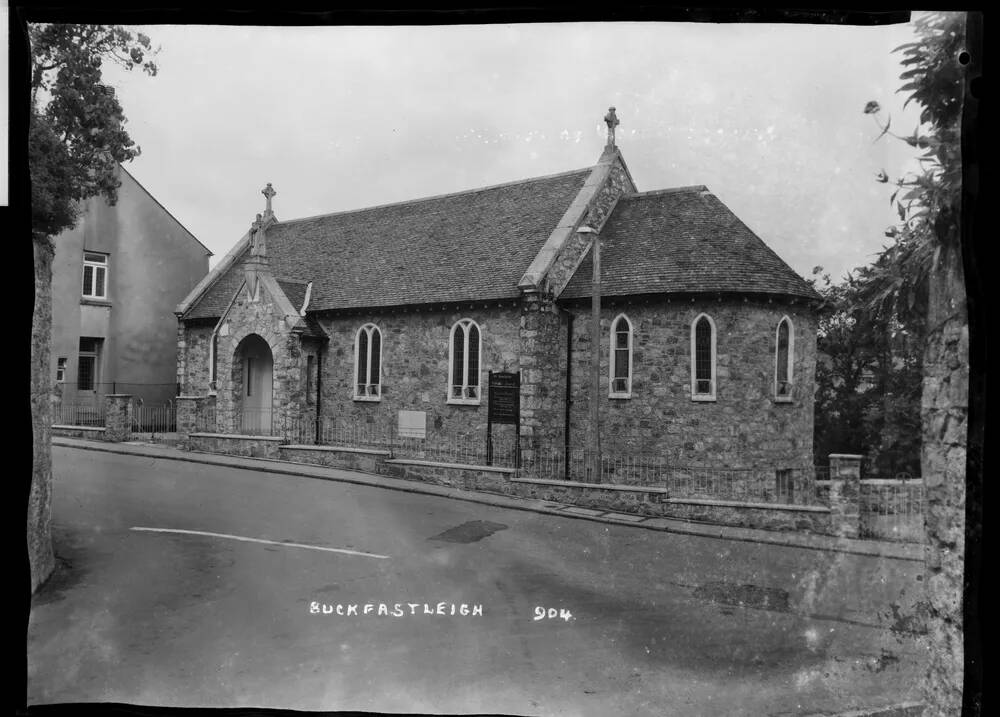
x,y
390,319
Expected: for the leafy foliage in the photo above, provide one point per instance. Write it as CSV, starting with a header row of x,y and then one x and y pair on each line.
x,y
76,128
873,329
868,378
928,202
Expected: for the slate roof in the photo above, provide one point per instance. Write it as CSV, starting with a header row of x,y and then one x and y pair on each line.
x,y
679,241
296,293
294,290
314,329
469,245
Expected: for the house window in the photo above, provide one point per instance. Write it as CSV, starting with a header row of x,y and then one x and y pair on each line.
x,y
463,366
783,360
95,276
621,358
88,363
703,359
368,364
60,370
784,485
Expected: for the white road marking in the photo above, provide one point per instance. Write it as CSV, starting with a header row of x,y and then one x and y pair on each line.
x,y
261,540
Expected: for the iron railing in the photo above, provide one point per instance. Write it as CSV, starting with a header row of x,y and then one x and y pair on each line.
x,y
792,485
257,422
892,509
154,419
205,421
467,449
88,413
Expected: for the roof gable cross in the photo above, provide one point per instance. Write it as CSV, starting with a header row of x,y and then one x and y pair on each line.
x,y
268,192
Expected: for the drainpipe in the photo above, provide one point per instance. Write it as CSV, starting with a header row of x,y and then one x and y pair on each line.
x,y
569,391
319,392
215,333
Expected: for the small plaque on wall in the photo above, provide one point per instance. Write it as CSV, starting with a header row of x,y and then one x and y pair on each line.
x,y
413,424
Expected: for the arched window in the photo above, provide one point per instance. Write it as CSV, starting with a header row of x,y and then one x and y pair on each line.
x,y
463,364
783,359
703,358
368,364
621,358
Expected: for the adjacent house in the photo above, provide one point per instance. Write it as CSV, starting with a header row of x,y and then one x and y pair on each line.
x,y
116,278
393,320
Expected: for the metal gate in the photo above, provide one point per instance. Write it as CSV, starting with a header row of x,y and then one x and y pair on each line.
x,y
153,422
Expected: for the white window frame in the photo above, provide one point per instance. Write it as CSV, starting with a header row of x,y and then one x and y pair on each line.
x,y
61,369
373,391
81,356
695,396
784,398
95,266
466,383
627,393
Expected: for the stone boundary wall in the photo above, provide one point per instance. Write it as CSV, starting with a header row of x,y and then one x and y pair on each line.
x,y
475,478
798,518
841,518
234,445
91,432
352,459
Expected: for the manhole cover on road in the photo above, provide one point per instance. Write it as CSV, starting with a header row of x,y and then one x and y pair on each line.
x,y
469,532
744,595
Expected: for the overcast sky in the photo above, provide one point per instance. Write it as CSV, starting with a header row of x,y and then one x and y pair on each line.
x,y
769,117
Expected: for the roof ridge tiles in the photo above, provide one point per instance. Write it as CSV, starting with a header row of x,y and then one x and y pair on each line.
x,y
436,196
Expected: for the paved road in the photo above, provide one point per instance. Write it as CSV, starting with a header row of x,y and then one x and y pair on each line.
x,y
201,618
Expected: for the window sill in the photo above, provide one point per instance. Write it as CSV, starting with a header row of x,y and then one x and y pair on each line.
x,y
703,398
464,401
783,399
620,396
94,301
367,399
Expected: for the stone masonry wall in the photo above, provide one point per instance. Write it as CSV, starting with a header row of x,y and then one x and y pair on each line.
x,y
193,357
543,371
743,428
263,319
577,245
617,183
415,353
543,324
248,446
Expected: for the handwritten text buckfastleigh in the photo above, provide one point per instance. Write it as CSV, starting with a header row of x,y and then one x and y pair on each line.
x,y
396,609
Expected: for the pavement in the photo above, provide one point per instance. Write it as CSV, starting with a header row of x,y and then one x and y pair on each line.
x,y
195,583
900,551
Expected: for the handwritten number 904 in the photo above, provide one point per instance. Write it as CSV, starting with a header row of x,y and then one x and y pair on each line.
x,y
551,613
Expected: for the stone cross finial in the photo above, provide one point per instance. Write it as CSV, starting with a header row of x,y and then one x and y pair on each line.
x,y
611,119
268,192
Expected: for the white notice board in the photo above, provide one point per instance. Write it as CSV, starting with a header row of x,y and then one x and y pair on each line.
x,y
413,424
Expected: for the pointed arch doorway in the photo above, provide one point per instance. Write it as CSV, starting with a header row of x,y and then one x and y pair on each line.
x,y
253,386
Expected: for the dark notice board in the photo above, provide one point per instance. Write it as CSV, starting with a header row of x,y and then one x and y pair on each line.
x,y
504,397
